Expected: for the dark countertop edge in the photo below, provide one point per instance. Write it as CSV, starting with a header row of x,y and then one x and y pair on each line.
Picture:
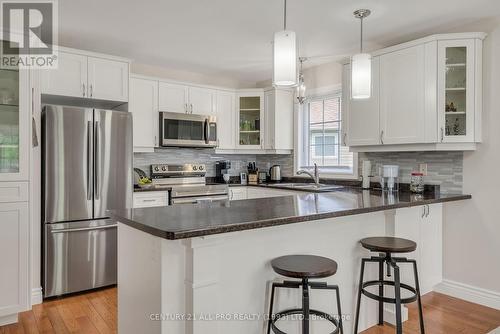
x,y
143,190
277,221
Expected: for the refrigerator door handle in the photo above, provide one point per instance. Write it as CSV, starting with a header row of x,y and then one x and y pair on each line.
x,y
84,229
89,160
97,173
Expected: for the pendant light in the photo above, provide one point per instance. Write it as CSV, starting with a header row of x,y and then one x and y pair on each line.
x,y
361,66
301,87
285,56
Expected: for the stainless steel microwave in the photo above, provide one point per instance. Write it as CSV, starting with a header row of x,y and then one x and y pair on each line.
x,y
187,130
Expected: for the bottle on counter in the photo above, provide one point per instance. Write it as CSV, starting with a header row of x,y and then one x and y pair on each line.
x,y
417,182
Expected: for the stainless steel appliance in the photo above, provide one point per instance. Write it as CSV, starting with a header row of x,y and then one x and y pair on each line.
x,y
187,130
222,168
188,184
87,169
275,173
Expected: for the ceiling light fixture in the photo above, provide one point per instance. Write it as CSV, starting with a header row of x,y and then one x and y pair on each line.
x,y
285,56
301,87
361,66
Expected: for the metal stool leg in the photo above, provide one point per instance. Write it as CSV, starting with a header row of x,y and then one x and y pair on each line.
x,y
273,288
381,293
397,293
363,262
417,287
339,310
305,306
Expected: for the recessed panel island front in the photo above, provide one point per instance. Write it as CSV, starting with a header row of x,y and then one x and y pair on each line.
x,y
205,268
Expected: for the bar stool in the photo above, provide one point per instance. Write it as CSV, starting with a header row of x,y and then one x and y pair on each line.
x,y
387,246
304,267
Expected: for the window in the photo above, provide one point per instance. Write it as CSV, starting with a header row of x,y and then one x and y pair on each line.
x,y
320,140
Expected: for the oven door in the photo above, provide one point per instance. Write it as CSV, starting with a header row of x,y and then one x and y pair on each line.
x,y
187,130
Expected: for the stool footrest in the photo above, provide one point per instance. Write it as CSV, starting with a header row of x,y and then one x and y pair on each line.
x,y
298,311
387,299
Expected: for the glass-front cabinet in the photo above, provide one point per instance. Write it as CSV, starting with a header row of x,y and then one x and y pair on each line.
x,y
14,127
457,96
250,120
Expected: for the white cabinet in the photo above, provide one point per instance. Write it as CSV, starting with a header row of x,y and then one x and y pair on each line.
x,y
426,96
361,121
423,224
250,114
186,99
262,192
278,117
80,75
69,78
108,79
149,199
459,90
226,120
143,105
173,97
14,252
202,101
402,96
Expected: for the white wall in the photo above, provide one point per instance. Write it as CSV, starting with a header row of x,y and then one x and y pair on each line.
x,y
472,228
191,77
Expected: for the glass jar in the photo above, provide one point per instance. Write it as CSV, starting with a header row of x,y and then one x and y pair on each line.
x,y
417,182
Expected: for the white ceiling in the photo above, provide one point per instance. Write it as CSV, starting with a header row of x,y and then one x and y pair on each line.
x,y
233,37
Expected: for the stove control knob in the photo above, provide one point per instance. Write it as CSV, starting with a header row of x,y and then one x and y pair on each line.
x,y
200,168
195,167
164,169
157,169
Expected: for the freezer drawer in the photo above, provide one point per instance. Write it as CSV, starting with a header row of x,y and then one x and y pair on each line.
x,y
79,256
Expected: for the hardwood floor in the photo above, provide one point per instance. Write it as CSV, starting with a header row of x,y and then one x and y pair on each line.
x,y
95,312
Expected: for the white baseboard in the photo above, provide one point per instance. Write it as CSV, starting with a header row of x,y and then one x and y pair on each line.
x,y
36,296
8,319
390,314
470,293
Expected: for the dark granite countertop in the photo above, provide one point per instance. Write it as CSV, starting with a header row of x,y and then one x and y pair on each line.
x,y
193,220
140,190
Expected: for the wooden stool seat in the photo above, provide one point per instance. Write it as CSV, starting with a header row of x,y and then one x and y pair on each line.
x,y
304,266
389,245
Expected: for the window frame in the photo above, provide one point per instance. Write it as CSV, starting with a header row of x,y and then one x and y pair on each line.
x,y
301,131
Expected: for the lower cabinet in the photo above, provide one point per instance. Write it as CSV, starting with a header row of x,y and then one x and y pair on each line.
x,y
150,199
14,248
249,192
424,225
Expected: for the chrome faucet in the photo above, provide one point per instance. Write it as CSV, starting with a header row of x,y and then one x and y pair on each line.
x,y
315,177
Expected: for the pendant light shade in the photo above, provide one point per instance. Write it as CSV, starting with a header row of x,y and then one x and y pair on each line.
x,y
285,57
361,78
361,66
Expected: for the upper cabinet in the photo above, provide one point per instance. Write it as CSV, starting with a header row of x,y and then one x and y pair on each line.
x,y
226,120
86,76
278,119
426,95
186,99
250,114
143,105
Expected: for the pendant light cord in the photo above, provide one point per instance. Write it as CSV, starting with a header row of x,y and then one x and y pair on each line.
x,y
284,16
361,44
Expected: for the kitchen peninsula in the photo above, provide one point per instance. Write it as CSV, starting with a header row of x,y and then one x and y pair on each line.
x,y
209,263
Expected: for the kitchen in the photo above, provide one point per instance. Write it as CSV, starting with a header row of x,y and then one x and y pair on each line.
x,y
142,181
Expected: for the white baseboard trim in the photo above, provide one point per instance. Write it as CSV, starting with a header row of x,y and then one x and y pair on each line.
x,y
390,314
8,319
36,296
470,293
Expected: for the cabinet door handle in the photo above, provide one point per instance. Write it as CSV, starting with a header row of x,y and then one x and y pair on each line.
x,y
382,137
428,211
423,212
442,134
91,91
191,108
83,89
345,137
186,108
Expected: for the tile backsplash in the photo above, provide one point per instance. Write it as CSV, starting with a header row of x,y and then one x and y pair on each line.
x,y
443,168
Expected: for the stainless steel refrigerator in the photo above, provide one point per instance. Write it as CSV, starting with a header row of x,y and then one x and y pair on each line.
x,y
87,169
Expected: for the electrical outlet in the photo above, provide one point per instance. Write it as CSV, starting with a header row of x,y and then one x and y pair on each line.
x,y
423,169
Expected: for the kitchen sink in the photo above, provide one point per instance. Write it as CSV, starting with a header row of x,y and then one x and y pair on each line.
x,y
306,186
